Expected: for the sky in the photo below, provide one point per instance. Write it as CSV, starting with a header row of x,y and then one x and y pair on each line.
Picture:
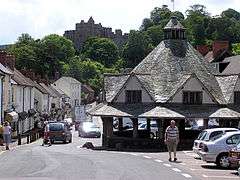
x,y
42,17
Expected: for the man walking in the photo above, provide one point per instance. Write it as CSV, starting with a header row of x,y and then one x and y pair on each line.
x,y
172,139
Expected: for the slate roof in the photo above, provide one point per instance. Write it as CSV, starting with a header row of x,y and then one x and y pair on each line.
x,y
174,24
49,91
227,85
233,66
40,88
167,111
169,66
20,79
5,70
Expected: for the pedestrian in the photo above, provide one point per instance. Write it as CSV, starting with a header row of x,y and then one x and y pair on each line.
x,y
172,139
46,135
7,134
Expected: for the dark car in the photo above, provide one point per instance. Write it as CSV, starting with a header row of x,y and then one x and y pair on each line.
x,y
59,131
234,156
89,129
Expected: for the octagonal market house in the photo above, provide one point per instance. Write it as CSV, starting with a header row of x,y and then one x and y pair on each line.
x,y
173,82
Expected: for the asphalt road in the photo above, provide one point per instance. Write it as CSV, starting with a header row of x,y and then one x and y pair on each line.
x,y
70,161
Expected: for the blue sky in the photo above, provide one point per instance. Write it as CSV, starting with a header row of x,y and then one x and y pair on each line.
x,y
42,17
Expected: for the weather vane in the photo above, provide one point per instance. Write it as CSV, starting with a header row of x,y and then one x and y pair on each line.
x,y
173,4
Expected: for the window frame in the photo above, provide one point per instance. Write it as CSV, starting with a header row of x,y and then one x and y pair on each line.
x,y
133,96
192,97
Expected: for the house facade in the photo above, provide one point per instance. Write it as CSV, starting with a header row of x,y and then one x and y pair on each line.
x,y
71,87
173,82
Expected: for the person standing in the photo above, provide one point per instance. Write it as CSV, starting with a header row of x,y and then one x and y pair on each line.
x,y
46,136
7,134
172,139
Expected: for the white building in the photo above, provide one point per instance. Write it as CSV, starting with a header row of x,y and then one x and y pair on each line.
x,y
71,87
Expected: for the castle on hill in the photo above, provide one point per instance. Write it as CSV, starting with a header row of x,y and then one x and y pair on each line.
x,y
84,30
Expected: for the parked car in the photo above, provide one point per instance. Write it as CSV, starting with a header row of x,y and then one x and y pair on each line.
x,y
59,131
89,129
234,156
153,127
216,151
209,135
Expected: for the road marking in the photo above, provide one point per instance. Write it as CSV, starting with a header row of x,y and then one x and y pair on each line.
x,y
183,164
214,170
133,154
176,170
167,165
1,152
223,177
186,175
147,157
158,160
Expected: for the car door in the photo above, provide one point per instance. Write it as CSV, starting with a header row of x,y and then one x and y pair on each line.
x,y
232,141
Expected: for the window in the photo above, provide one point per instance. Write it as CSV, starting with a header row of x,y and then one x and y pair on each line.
x,y
233,139
237,97
214,135
192,97
134,96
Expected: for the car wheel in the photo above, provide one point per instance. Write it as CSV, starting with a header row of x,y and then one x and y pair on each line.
x,y
223,161
64,141
70,140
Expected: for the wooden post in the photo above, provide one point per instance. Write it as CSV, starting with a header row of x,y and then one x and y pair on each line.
x,y
120,124
107,130
149,126
205,123
135,127
160,134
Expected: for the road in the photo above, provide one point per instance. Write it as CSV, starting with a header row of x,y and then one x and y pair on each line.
x,y
71,162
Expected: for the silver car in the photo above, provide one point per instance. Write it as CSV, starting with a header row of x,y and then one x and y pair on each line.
x,y
217,151
209,135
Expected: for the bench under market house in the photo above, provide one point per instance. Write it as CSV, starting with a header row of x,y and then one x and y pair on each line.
x,y
173,82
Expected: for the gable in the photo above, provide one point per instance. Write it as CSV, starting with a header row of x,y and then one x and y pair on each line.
x,y
133,84
193,84
236,88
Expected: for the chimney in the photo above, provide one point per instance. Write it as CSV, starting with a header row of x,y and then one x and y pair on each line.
x,y
3,58
10,61
203,49
219,46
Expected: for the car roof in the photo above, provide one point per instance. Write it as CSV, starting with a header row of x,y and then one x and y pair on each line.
x,y
220,129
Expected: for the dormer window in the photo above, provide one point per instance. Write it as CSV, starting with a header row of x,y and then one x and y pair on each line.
x,y
133,96
192,97
237,97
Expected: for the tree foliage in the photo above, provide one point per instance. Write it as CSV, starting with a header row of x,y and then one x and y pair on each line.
x,y
102,50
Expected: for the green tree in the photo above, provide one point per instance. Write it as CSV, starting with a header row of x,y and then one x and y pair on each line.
x,y
231,13
196,22
24,52
103,50
88,71
137,47
56,52
156,34
236,48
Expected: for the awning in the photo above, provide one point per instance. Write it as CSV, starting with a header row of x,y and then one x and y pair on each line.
x,y
225,113
11,116
162,112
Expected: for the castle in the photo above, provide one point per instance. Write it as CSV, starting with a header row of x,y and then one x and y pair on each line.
x,y
88,29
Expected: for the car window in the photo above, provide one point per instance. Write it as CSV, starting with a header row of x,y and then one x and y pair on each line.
x,y
230,130
56,126
233,139
203,136
215,135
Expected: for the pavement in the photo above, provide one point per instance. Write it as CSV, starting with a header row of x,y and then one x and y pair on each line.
x,y
72,162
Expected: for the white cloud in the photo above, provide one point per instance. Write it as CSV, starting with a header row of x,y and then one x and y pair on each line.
x,y
42,17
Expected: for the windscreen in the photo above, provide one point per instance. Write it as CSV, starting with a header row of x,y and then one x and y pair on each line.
x,y
56,127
